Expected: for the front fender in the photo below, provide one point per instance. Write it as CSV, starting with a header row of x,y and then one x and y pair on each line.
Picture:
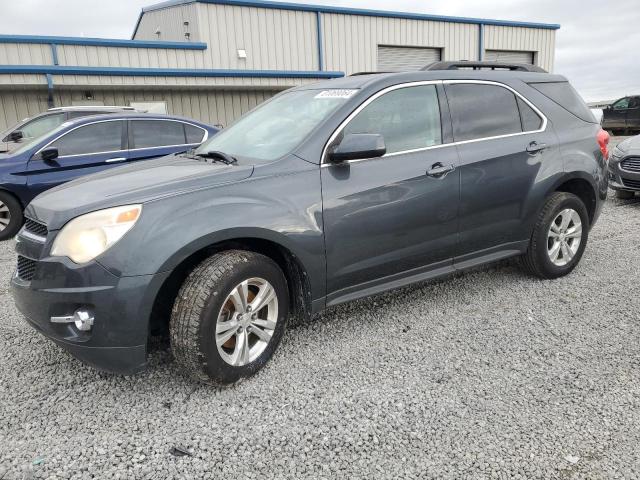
x,y
284,209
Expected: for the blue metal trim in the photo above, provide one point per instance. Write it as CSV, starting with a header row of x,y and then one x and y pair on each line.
x,y
102,42
320,41
163,72
356,11
54,54
480,42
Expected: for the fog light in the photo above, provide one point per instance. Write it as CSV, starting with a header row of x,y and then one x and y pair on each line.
x,y
82,319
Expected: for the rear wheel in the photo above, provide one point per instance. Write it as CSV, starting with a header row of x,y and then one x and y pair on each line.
x,y
625,194
229,317
559,237
10,216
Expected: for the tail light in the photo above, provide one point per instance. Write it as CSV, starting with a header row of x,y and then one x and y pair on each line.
x,y
603,140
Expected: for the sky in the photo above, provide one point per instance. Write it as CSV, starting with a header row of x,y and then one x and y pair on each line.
x,y
597,47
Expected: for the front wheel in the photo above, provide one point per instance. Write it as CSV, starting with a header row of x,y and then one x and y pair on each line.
x,y
10,216
559,237
229,317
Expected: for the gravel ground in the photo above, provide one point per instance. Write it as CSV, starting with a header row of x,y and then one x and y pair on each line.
x,y
490,374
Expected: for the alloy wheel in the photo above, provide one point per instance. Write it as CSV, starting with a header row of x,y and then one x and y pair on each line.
x,y
5,216
246,322
564,237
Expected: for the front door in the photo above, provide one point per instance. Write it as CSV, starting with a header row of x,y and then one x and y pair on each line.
x,y
386,218
616,115
87,149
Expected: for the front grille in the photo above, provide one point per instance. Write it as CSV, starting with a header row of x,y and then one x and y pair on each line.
x,y
26,268
631,164
631,183
35,228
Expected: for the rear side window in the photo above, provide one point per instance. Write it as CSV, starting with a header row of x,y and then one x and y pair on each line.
x,y
565,95
482,111
530,119
156,133
194,134
93,138
408,118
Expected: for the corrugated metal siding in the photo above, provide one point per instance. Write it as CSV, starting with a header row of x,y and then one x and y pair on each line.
x,y
170,22
350,41
540,41
402,59
16,105
509,56
273,39
212,107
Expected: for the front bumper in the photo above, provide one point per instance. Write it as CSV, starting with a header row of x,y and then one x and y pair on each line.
x,y
620,179
121,306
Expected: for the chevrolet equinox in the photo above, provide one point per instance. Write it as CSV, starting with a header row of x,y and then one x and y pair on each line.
x,y
324,194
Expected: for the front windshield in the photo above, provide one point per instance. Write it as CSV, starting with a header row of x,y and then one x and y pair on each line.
x,y
277,127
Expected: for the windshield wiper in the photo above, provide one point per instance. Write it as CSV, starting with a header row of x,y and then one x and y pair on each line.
x,y
219,157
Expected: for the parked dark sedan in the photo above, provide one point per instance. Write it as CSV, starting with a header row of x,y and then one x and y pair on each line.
x,y
38,125
624,168
622,116
87,145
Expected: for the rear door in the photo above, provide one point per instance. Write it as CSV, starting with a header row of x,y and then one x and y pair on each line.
x,y
503,145
155,137
86,149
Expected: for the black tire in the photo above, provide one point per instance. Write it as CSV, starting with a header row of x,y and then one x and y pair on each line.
x,y
199,302
14,215
536,260
625,194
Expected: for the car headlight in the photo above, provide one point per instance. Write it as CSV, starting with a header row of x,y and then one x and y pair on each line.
x,y
90,235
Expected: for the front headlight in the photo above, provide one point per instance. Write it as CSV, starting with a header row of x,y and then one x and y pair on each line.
x,y
90,235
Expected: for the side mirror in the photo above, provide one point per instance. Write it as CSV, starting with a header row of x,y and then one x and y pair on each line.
x,y
49,154
15,136
355,146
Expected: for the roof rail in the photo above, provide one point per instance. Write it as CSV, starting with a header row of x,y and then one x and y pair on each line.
x,y
464,64
357,74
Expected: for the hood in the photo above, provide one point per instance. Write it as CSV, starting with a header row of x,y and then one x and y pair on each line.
x,y
630,145
140,182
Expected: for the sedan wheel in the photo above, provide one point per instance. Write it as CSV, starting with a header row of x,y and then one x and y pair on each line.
x,y
5,217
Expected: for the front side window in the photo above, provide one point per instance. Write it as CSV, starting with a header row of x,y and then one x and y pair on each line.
x,y
621,104
407,118
41,125
278,126
482,111
156,133
93,138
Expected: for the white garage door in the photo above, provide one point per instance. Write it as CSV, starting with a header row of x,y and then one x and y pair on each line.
x,y
402,59
509,56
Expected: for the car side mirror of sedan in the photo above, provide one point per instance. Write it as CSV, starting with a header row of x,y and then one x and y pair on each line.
x,y
49,154
356,146
15,136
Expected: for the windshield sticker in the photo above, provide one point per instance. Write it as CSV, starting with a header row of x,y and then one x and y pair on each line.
x,y
336,93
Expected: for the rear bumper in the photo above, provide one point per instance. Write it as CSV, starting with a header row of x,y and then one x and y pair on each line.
x,y
121,306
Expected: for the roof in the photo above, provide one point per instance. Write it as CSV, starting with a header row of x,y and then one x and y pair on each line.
x,y
362,81
349,11
128,115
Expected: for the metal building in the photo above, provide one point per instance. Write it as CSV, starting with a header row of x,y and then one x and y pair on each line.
x,y
215,59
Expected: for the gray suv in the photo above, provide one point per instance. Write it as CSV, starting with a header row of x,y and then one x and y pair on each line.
x,y
324,194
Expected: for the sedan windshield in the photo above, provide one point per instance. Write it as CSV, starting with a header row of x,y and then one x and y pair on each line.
x,y
277,127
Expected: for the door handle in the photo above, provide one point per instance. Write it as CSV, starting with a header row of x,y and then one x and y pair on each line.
x,y
535,147
113,160
438,170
